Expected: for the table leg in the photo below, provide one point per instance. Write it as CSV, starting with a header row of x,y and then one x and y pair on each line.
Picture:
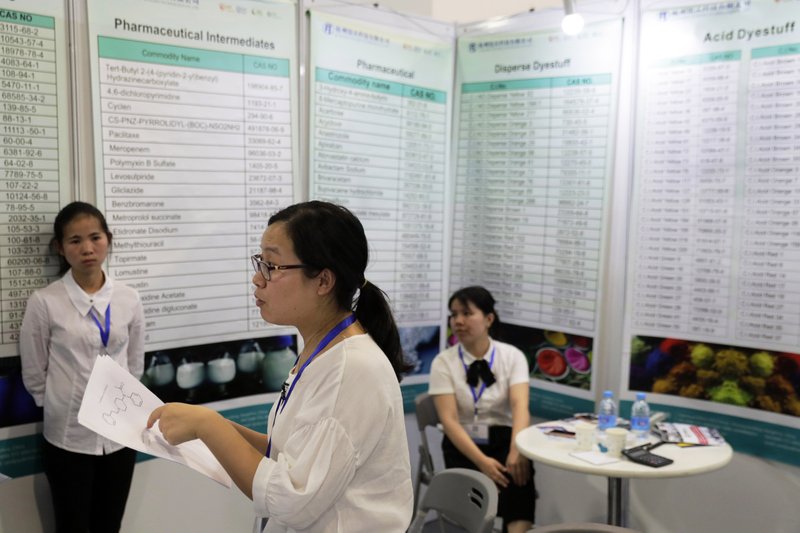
x,y
617,502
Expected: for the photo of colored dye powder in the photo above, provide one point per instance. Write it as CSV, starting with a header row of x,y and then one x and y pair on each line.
x,y
551,363
578,360
552,355
745,377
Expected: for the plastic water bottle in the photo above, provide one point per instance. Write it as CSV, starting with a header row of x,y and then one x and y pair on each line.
x,y
640,417
607,413
606,418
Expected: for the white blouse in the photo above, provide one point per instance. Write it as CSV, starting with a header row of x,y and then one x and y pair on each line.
x,y
59,342
339,460
494,407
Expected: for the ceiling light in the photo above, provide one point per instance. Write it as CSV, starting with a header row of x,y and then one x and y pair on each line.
x,y
573,22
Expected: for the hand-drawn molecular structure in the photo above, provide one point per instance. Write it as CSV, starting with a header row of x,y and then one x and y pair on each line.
x,y
120,404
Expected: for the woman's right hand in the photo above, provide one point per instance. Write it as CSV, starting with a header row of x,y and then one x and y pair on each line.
x,y
447,410
179,422
494,470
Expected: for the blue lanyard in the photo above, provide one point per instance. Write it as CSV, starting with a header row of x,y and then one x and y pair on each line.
x,y
476,396
284,399
104,333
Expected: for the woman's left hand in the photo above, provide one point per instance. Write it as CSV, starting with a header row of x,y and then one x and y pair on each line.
x,y
519,467
179,422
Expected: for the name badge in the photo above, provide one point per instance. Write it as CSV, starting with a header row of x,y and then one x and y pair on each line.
x,y
479,433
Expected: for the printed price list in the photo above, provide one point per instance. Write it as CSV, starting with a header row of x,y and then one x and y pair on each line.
x,y
196,155
30,188
530,192
687,192
379,147
719,199
768,285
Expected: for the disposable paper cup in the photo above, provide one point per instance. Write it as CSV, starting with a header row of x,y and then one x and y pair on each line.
x,y
615,440
584,436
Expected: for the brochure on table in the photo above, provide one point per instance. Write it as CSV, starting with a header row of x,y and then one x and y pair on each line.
x,y
689,434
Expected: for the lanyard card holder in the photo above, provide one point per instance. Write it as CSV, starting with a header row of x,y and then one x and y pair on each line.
x,y
478,432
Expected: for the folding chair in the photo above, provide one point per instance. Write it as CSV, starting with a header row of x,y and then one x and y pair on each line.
x,y
467,498
426,416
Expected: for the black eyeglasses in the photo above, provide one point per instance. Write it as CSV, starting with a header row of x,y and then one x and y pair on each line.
x,y
266,268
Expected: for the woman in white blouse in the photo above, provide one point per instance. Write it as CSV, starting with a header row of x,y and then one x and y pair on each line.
x,y
336,457
480,389
66,326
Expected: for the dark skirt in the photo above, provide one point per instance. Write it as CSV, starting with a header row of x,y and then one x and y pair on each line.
x,y
515,502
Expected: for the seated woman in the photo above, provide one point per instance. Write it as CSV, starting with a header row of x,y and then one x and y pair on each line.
x,y
480,389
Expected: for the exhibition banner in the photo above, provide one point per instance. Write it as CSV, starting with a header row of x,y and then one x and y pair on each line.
x,y
485,154
535,128
380,100
195,124
35,122
36,125
713,307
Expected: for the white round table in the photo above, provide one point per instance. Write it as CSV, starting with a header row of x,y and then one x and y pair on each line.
x,y
555,451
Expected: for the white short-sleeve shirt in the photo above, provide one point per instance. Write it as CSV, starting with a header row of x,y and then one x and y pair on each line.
x,y
448,376
339,460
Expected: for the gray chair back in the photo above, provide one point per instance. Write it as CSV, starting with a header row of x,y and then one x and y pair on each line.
x,y
467,498
426,417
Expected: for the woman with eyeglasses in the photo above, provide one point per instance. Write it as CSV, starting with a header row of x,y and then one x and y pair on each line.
x,y
67,324
336,456
480,388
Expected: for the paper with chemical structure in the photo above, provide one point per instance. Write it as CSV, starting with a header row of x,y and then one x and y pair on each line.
x,y
117,405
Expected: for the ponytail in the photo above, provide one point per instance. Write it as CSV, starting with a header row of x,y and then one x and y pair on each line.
x,y
326,235
374,313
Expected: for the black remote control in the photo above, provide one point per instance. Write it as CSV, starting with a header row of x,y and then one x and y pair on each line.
x,y
642,455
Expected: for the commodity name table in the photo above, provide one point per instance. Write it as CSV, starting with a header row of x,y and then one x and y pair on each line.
x,y
530,193
719,236
380,148
196,155
30,188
